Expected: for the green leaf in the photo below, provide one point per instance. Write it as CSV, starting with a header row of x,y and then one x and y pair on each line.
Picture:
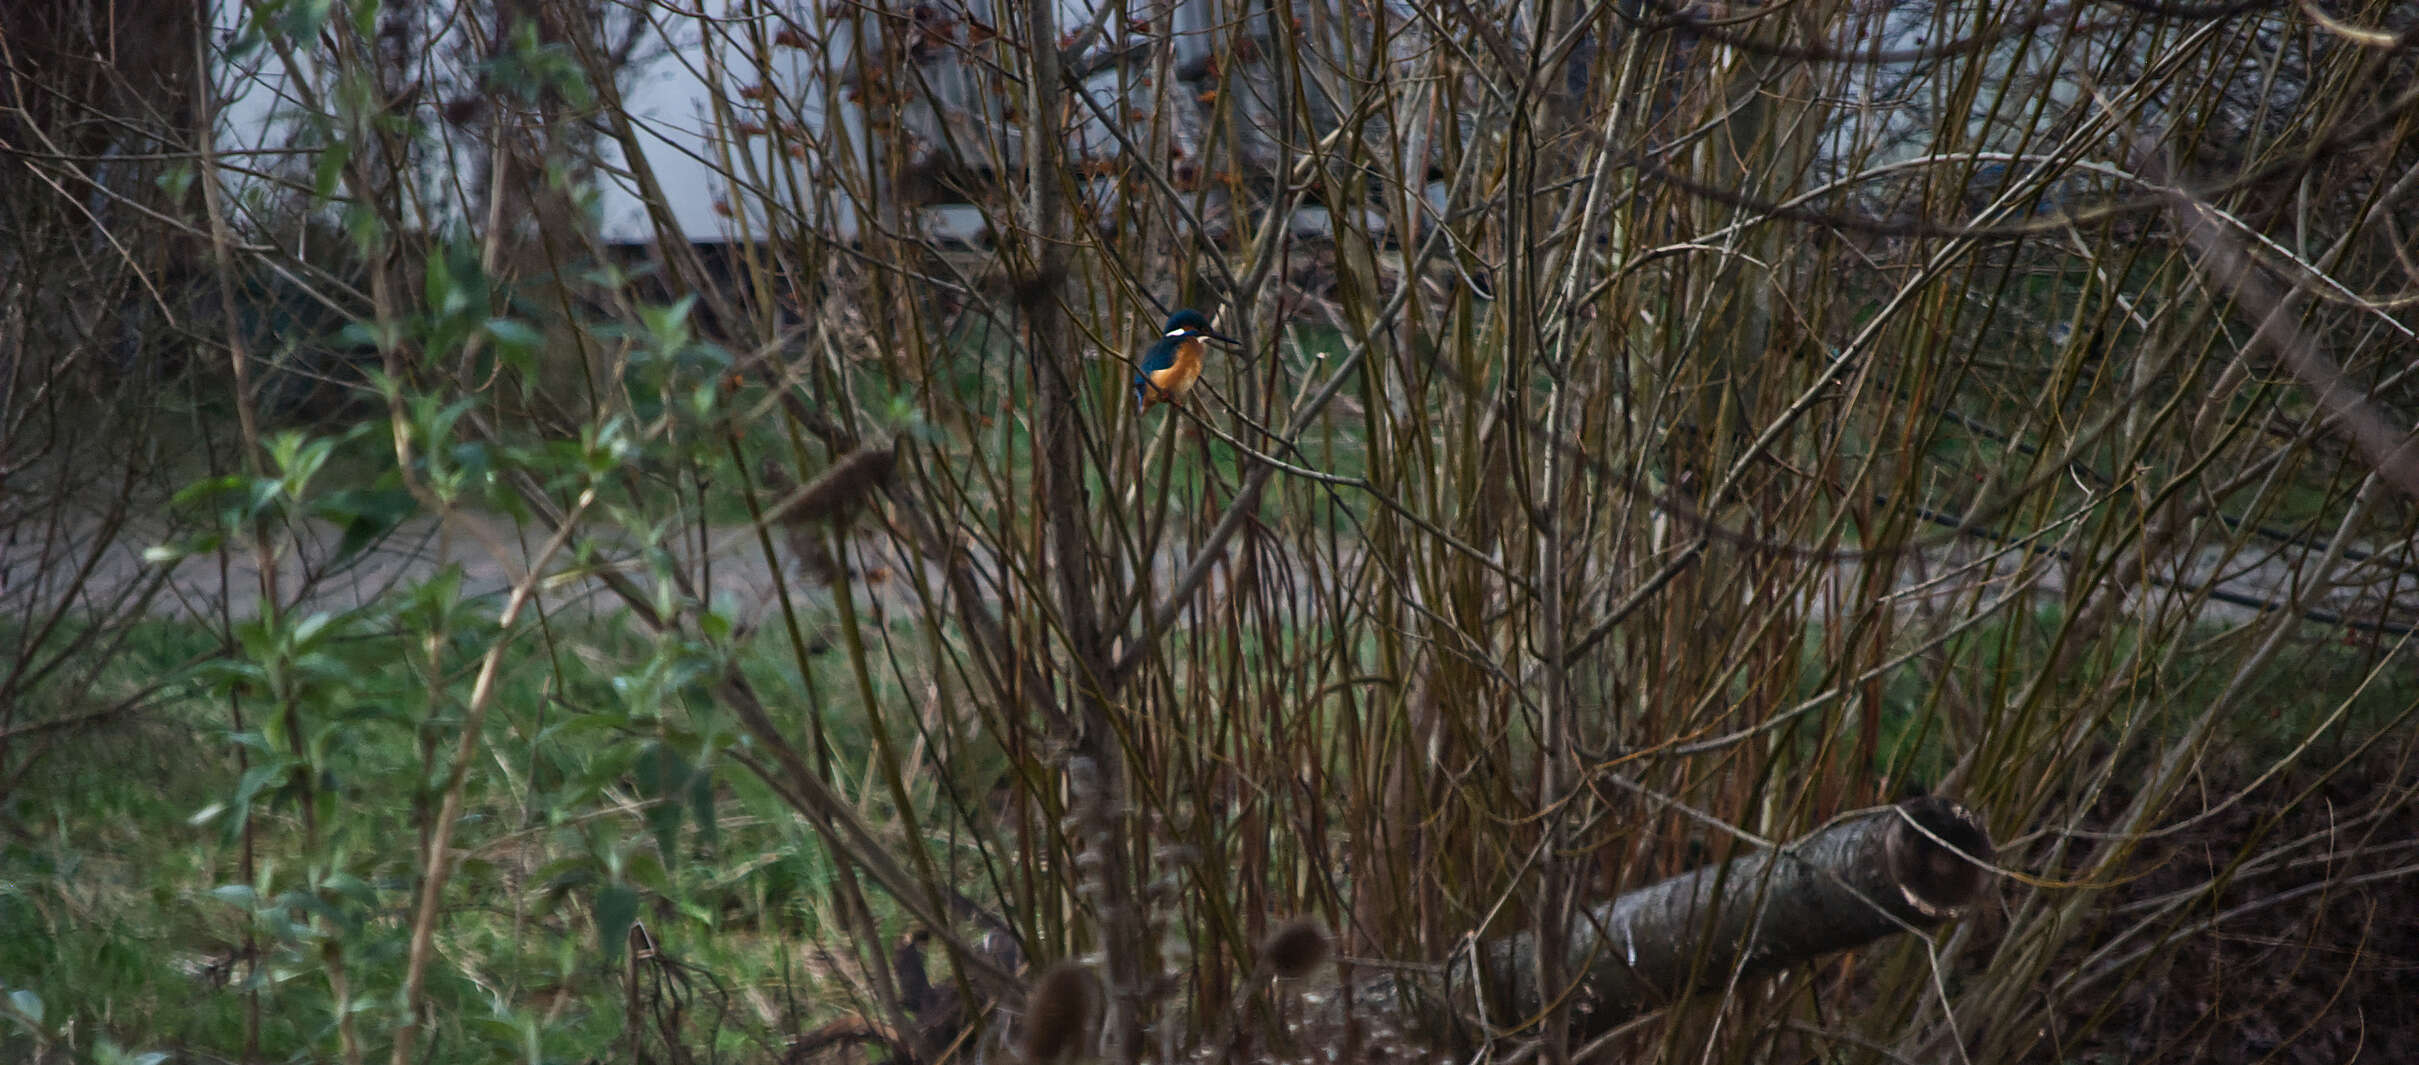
x,y
616,911
307,631
431,603
646,870
350,888
26,1004
222,676
361,334
176,180
309,903
662,776
439,286
259,778
367,515
513,332
330,170
304,18
716,625
701,805
299,459
208,489
105,1052
499,1031
363,227
668,325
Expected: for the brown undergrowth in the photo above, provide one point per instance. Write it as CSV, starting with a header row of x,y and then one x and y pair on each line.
x,y
2306,951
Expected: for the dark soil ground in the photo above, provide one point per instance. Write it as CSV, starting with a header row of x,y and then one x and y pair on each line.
x,y
2308,952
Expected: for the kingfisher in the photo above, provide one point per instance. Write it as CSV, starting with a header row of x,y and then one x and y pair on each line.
x,y
1173,363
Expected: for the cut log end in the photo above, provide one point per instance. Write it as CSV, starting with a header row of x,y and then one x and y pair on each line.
x,y
1939,855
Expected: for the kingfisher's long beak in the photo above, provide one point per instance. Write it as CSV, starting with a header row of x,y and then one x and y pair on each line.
x,y
1221,338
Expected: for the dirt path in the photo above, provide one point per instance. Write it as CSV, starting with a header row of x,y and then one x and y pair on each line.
x,y
104,574
43,563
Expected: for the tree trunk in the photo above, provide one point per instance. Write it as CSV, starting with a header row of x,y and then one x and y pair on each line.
x,y
1903,869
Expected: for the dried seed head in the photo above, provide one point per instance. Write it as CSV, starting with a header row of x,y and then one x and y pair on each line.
x,y
1297,948
1058,1012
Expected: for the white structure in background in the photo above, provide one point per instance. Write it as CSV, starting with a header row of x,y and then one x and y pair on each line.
x,y
677,76
669,88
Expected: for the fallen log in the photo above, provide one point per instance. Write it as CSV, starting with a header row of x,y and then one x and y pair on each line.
x,y
1905,868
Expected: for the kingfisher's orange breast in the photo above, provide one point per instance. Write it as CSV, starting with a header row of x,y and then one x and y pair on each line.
x,y
1172,383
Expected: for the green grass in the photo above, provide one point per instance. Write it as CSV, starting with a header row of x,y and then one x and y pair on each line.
x,y
2326,686
125,906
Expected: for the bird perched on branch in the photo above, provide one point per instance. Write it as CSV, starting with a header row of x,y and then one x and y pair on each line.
x,y
1173,363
